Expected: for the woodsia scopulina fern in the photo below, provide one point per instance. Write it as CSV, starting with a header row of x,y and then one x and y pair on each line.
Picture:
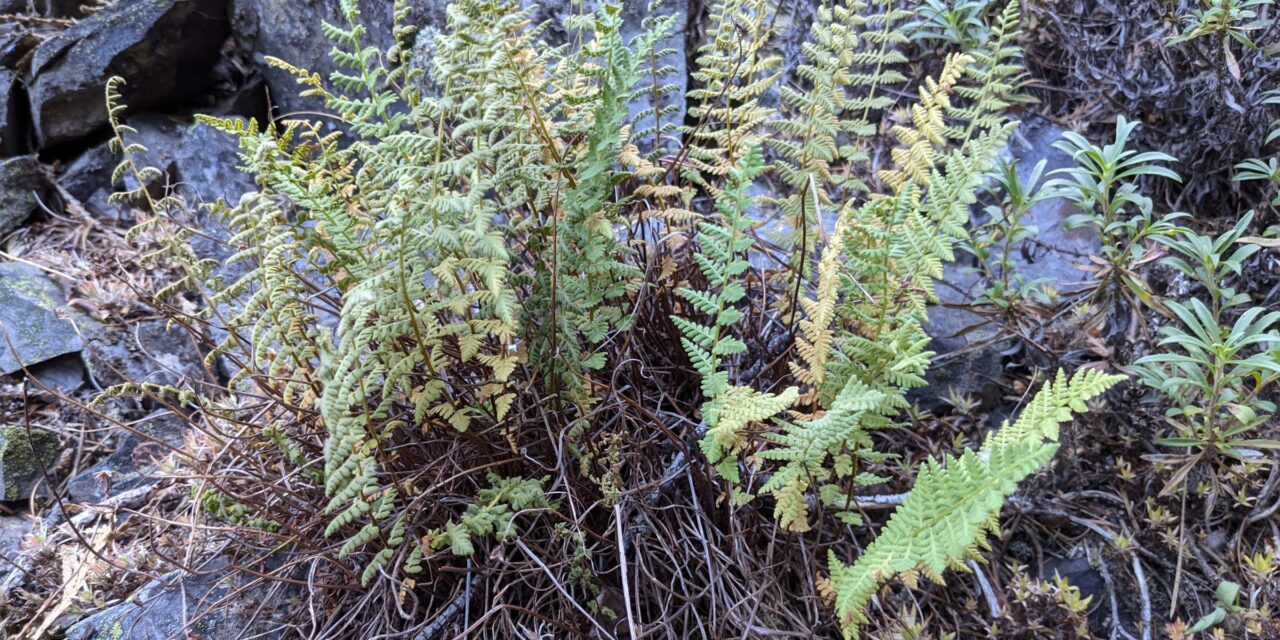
x,y
443,334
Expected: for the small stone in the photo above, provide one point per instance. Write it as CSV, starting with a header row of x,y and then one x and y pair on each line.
x,y
23,455
21,181
34,317
12,530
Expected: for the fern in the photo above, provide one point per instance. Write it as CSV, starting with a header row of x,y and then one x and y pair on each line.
x,y
492,513
452,261
957,501
727,409
733,72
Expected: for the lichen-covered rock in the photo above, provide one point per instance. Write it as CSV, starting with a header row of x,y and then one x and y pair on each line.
x,y
175,607
22,456
21,182
165,49
33,314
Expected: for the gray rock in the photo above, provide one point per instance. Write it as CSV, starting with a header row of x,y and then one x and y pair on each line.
x,y
23,455
178,606
63,373
15,42
202,162
12,530
129,464
21,182
87,178
968,360
1059,250
149,352
10,125
34,315
165,50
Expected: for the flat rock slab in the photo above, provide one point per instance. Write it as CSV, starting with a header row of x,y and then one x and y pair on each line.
x,y
34,316
172,607
164,49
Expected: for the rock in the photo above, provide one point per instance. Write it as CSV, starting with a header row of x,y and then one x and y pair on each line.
x,y
165,50
33,314
149,352
162,609
968,360
128,465
63,374
203,162
87,178
11,130
200,162
21,182
12,530
22,456
1079,573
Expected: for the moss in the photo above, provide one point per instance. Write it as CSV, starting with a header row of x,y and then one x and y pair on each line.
x,y
21,457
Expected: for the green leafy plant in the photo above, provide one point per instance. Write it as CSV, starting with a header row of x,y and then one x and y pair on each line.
x,y
1216,373
955,502
1259,168
995,243
728,408
1111,204
1226,602
443,281
960,23
1224,19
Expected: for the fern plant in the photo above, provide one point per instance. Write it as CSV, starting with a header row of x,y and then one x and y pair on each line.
x,y
448,272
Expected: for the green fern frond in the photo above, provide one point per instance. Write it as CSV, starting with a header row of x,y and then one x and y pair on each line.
x,y
957,501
